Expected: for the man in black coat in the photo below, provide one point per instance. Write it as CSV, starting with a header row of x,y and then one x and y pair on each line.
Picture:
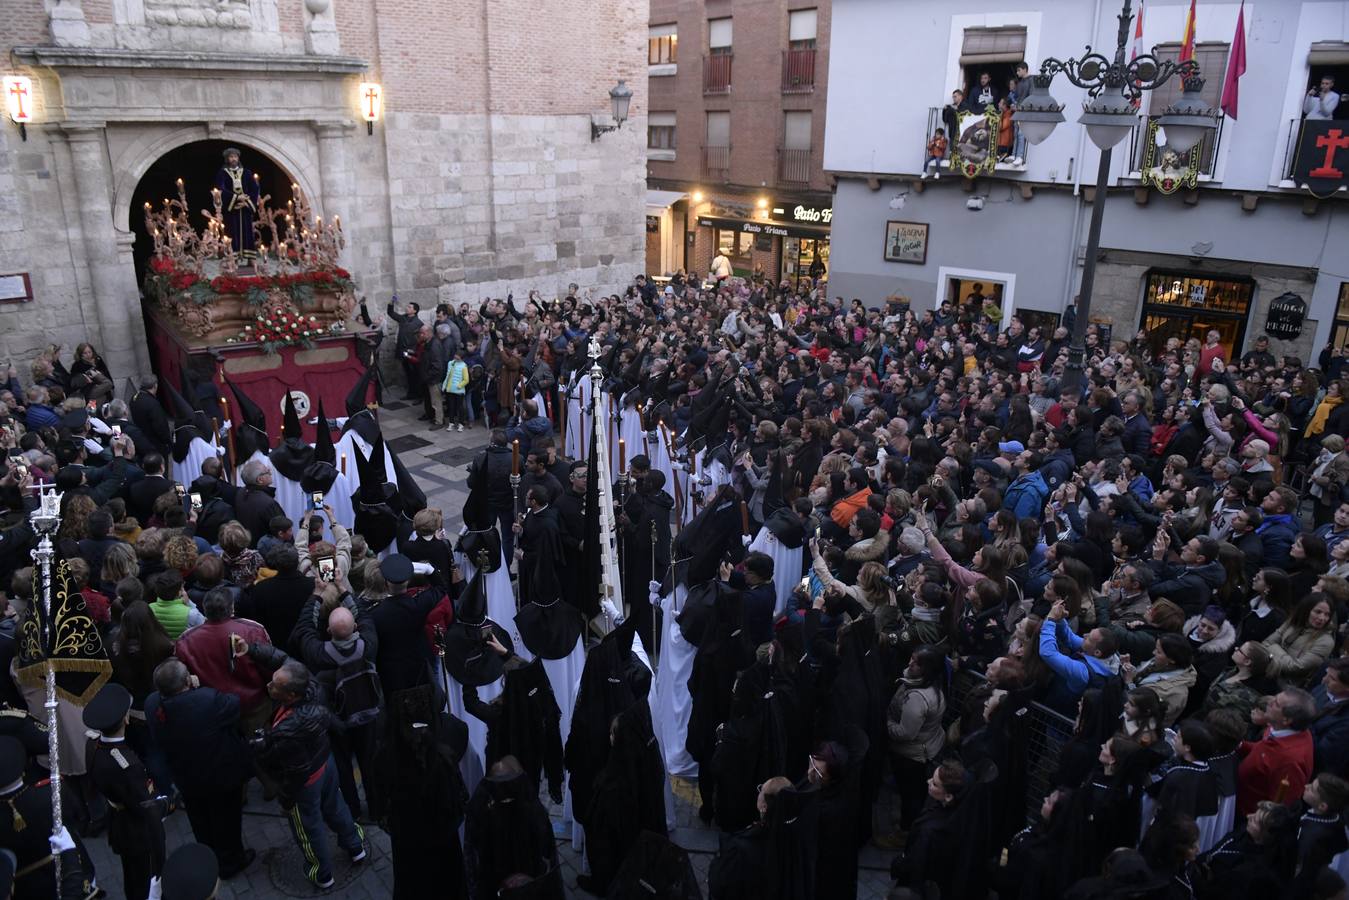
x,y
645,520
119,417
275,602
142,494
256,506
404,656
213,468
215,510
540,536
571,507
1137,437
431,367
491,472
536,472
149,416
409,326
197,729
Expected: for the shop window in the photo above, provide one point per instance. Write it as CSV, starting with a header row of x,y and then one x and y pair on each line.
x,y
1189,305
800,255
1339,337
736,246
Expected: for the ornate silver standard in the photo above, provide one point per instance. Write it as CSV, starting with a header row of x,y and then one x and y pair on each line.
x,y
613,587
46,520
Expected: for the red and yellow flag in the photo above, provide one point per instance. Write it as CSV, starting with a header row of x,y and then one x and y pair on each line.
x,y
1187,42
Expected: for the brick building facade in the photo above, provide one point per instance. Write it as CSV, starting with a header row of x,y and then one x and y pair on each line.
x,y
482,177
736,135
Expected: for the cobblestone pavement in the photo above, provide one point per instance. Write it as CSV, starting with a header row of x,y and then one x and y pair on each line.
x,y
439,461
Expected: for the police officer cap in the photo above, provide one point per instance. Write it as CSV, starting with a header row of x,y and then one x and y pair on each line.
x,y
396,569
108,708
190,873
13,760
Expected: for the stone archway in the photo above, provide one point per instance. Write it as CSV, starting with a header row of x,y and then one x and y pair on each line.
x,y
196,162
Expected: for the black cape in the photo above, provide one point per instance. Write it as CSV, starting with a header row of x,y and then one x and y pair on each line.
x,y
506,832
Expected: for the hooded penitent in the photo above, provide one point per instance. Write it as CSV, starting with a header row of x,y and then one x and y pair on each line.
x,y
251,435
321,471
507,832
549,627
481,536
613,679
294,454
376,518
186,424
468,659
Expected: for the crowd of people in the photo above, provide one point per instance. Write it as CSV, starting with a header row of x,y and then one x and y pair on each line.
x,y
885,575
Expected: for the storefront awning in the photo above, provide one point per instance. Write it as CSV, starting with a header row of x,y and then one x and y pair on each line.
x,y
781,229
659,201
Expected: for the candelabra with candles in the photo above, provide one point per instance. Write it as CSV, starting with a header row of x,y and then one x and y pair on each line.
x,y
289,240
46,519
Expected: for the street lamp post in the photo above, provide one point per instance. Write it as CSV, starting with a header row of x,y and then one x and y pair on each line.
x,y
1113,90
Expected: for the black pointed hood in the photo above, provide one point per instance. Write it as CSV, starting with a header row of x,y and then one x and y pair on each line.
x,y
481,534
185,425
548,627
323,440
251,435
293,456
411,497
468,659
376,520
787,527
321,473
356,397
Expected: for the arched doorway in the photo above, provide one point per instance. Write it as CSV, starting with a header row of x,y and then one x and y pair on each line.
x,y
197,164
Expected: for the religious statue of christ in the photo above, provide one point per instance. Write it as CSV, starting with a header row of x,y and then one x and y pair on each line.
x,y
239,195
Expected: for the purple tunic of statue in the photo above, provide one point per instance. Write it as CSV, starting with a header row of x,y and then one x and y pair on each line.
x,y
239,198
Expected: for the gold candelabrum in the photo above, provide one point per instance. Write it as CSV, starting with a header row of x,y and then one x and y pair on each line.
x,y
290,239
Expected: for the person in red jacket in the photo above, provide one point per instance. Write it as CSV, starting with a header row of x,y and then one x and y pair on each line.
x,y
1212,350
1278,766
207,652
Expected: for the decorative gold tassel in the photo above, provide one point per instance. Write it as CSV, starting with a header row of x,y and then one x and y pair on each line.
x,y
19,823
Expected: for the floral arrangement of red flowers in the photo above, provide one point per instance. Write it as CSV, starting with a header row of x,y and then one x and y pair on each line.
x,y
279,327
165,280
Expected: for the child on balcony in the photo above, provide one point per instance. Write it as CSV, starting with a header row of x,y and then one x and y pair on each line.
x,y
936,152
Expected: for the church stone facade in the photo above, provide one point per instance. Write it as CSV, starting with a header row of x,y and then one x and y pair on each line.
x,y
481,178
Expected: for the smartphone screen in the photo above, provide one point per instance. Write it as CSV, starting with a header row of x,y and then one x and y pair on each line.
x,y
117,431
196,501
316,500
327,569
179,490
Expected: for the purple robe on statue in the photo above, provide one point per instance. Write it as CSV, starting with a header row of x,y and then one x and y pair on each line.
x,y
239,198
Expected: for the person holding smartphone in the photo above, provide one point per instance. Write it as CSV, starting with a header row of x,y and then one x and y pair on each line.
x,y
339,551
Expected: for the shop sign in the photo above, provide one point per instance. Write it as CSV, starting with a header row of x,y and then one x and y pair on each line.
x,y
1322,159
1286,314
811,215
760,228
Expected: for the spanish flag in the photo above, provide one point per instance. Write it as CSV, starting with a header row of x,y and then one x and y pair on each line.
x,y
1187,42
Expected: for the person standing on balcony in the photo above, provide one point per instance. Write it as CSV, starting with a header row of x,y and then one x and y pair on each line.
x,y
1322,100
982,95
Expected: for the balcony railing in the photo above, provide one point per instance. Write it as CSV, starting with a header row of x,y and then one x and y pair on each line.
x,y
717,163
798,71
717,73
1208,149
1020,146
793,166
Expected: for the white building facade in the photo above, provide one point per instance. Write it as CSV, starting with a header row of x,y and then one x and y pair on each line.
x,y
1188,243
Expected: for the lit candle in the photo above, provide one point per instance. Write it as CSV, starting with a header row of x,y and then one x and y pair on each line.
x,y
343,461
622,456
515,457
180,182
147,205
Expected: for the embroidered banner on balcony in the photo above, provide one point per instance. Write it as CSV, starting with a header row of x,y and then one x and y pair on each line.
x,y
976,153
1322,157
1163,168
